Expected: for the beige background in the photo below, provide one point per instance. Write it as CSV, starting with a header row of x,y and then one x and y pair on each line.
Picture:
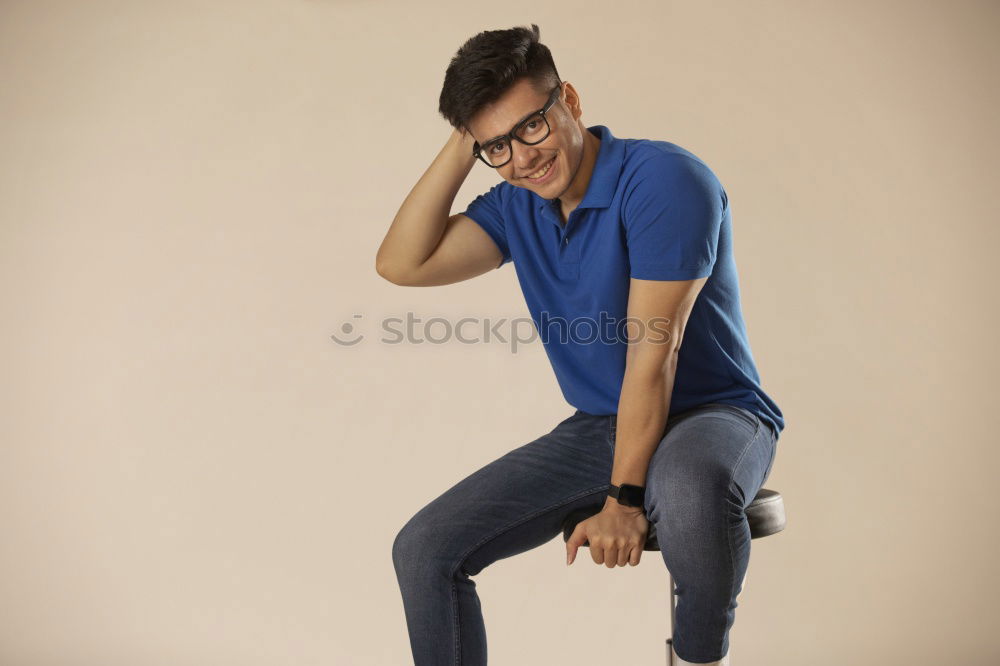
x,y
193,473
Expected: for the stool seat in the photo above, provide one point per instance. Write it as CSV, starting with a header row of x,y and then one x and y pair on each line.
x,y
766,515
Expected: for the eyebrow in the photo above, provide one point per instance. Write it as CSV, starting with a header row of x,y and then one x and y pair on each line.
x,y
523,118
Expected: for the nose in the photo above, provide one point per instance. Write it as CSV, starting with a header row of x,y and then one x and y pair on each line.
x,y
524,156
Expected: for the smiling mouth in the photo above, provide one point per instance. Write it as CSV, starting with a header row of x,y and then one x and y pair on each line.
x,y
544,171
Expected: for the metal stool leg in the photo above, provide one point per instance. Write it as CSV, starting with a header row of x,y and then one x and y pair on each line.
x,y
673,605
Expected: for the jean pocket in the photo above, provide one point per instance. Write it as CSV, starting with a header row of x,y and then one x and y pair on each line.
x,y
770,463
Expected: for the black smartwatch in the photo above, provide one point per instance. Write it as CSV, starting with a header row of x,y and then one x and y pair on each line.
x,y
628,494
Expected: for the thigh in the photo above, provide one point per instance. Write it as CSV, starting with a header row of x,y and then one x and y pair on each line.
x,y
719,449
518,501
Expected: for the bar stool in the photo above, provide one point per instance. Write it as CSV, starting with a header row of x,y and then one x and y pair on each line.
x,y
766,515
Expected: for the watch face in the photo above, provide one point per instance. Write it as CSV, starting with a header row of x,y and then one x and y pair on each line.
x,y
631,495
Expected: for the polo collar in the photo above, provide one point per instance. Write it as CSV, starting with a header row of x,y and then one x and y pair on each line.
x,y
607,171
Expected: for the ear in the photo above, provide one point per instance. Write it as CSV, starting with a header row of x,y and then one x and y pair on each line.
x,y
572,100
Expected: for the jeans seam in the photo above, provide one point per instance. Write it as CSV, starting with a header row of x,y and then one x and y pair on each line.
x,y
456,626
461,560
729,534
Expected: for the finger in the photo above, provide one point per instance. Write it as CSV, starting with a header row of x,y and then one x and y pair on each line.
x,y
623,555
578,536
636,554
611,557
575,540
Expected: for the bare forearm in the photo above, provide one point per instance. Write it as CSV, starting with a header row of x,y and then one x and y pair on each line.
x,y
642,416
421,220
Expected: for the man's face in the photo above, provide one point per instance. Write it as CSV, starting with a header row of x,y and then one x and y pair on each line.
x,y
564,144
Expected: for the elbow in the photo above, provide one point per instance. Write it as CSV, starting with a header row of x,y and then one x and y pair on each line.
x,y
387,269
386,273
382,266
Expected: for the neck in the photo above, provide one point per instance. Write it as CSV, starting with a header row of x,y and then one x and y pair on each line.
x,y
573,195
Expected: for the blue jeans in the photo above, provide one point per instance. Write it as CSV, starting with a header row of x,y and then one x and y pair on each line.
x,y
707,468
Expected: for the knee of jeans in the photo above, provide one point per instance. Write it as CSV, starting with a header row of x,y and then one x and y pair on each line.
x,y
412,549
429,546
687,488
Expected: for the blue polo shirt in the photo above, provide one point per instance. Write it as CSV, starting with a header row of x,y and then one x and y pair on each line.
x,y
653,211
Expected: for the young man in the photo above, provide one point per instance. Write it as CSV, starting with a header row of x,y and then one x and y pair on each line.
x,y
676,438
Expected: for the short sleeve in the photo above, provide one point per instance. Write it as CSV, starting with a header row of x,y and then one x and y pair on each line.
x,y
672,213
486,210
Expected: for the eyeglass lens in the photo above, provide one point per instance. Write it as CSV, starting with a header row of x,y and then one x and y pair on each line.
x,y
533,130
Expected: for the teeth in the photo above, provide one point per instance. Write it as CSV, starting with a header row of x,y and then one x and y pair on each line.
x,y
542,172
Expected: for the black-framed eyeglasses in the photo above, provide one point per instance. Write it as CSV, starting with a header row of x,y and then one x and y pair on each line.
x,y
533,129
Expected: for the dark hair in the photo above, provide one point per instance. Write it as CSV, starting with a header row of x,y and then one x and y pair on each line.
x,y
487,65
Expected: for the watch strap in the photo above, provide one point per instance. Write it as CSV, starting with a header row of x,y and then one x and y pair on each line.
x,y
628,494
